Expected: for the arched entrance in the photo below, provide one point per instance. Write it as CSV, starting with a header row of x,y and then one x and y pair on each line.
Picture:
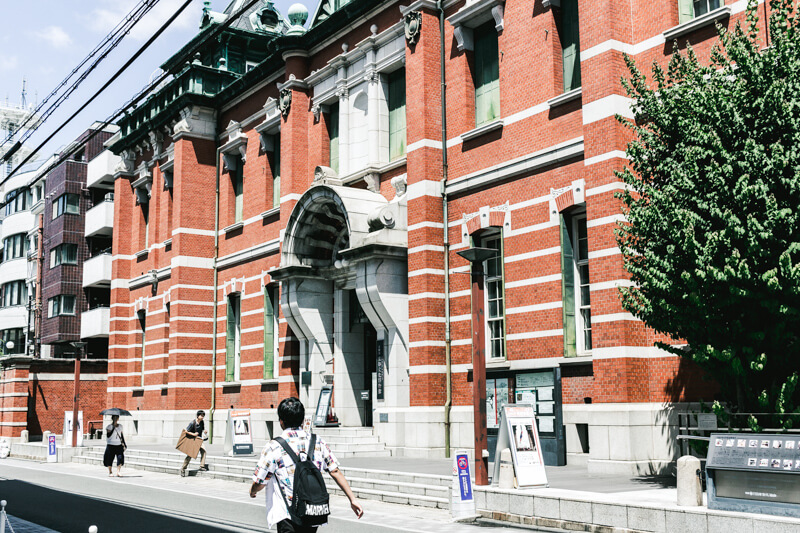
x,y
344,293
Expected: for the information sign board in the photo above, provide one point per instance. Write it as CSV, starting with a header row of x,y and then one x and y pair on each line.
x,y
238,434
518,432
754,472
462,500
52,450
323,406
67,431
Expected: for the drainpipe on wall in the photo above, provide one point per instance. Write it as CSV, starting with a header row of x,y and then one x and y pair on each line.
x,y
446,240
214,326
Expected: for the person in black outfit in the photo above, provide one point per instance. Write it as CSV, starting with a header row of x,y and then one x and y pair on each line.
x,y
197,429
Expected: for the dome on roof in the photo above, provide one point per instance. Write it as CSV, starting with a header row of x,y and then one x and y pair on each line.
x,y
297,14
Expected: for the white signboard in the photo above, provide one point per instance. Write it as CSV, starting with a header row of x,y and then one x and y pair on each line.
x,y
239,437
518,432
67,431
52,450
462,497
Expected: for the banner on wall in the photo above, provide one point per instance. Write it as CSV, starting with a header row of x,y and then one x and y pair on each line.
x,y
238,434
519,433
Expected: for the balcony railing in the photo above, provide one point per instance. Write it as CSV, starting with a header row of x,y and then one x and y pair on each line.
x,y
100,219
97,271
94,323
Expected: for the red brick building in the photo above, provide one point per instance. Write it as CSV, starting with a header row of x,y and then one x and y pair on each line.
x,y
286,220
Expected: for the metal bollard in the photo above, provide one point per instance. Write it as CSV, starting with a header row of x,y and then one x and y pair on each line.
x,y
93,529
3,516
690,491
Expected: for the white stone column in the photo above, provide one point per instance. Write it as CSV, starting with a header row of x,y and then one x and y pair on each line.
x,y
375,98
348,353
344,130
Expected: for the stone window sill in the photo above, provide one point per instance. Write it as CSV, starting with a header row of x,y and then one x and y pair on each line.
x,y
168,242
698,22
141,253
137,389
270,212
233,227
486,128
273,381
568,96
231,384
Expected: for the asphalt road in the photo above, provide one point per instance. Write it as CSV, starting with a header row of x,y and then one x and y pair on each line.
x,y
69,498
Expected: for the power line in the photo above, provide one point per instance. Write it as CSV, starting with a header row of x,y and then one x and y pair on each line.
x,y
143,93
111,80
106,46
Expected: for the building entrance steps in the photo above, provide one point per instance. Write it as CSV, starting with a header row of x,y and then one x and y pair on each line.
x,y
353,442
408,488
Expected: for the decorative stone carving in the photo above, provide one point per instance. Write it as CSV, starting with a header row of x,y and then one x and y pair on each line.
x,y
316,109
126,160
413,26
322,174
372,76
373,180
342,91
153,282
400,186
285,101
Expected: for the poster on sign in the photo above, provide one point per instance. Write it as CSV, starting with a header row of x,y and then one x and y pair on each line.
x,y
52,450
518,432
462,500
67,431
238,436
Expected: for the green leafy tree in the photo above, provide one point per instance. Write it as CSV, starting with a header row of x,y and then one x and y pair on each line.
x,y
713,209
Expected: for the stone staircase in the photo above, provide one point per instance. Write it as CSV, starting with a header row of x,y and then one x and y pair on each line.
x,y
353,442
422,490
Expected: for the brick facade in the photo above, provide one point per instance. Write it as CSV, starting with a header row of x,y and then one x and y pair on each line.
x,y
547,159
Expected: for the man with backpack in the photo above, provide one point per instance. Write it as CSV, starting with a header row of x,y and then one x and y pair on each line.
x,y
297,500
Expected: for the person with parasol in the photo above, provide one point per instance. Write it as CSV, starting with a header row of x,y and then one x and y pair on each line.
x,y
115,441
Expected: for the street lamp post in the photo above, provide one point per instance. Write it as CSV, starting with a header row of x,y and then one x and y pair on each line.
x,y
476,256
77,390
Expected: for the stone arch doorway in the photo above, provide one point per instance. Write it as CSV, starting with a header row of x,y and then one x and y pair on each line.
x,y
344,293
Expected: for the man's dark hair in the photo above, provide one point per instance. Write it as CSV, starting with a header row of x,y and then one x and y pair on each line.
x,y
291,412
201,412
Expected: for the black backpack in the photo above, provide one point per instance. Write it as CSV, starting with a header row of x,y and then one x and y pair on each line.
x,y
310,504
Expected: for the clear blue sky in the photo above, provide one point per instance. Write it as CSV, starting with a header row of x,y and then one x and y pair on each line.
x,y
43,41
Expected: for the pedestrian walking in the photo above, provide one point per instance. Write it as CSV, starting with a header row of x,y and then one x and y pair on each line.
x,y
115,446
197,430
294,499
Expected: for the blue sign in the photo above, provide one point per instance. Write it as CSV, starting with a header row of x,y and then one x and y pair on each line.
x,y
464,481
51,442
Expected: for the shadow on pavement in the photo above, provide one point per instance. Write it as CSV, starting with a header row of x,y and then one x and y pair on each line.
x,y
69,513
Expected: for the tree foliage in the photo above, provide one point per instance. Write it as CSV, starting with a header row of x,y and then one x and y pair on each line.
x,y
713,209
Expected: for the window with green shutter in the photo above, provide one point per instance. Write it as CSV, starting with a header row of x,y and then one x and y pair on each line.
x,y
232,339
568,286
397,114
333,135
487,74
570,44
237,183
270,330
276,172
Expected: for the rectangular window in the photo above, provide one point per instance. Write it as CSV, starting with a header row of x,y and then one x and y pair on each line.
x,y
15,293
66,203
15,247
237,187
270,331
142,316
487,75
397,114
568,32
15,336
63,304
233,335
576,296
690,9
64,254
18,200
494,304
333,135
275,168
